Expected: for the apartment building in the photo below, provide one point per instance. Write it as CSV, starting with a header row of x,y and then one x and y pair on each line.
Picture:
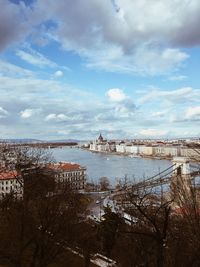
x,y
121,148
71,173
131,149
11,182
64,172
190,153
145,150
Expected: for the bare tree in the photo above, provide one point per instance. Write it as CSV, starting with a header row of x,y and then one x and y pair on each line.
x,y
151,212
109,230
34,229
104,183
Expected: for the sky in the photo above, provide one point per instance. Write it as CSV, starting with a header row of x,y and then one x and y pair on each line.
x,y
125,68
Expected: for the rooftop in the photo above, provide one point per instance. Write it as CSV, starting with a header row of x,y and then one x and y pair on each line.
x,y
65,166
8,175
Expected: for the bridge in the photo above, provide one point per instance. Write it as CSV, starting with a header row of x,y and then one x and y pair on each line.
x,y
180,167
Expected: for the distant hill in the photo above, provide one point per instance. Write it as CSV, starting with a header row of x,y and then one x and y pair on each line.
x,y
32,141
64,141
21,141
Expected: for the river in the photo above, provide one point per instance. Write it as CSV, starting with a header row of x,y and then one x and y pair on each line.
x,y
114,167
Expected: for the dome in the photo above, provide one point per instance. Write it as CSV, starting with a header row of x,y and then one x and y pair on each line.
x,y
100,138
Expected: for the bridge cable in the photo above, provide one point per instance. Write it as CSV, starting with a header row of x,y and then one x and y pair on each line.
x,y
160,172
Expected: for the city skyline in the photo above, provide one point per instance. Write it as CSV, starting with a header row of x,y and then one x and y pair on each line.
x,y
125,68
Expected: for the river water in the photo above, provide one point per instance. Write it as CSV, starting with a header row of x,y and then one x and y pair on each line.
x,y
114,167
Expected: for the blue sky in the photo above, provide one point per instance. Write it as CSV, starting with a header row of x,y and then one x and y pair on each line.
x,y
125,68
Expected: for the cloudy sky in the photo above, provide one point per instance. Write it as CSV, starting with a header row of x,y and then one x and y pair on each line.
x,y
125,68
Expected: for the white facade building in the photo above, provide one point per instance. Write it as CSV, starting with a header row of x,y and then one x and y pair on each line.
x,y
155,149
145,150
121,148
102,145
189,152
132,149
11,182
71,173
74,174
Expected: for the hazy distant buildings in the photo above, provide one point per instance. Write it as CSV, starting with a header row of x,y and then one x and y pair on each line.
x,y
146,148
102,145
121,147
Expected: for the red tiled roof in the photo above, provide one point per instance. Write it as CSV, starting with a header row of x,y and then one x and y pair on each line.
x,y
8,175
65,166
61,166
186,211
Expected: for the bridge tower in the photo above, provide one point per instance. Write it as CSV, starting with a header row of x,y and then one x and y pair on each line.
x,y
181,166
181,180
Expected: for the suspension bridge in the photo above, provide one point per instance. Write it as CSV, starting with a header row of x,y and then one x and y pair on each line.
x,y
180,167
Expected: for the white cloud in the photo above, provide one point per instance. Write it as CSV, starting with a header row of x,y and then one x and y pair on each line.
x,y
153,132
144,59
145,20
56,117
74,117
133,22
67,110
35,58
59,73
157,61
27,113
193,113
159,114
3,113
184,94
178,78
116,95
63,132
129,36
8,69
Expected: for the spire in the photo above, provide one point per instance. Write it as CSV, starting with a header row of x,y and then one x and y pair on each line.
x,y
100,138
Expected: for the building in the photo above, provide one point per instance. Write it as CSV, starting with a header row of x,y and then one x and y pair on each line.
x,y
100,138
120,148
100,144
11,182
64,172
145,150
191,153
71,173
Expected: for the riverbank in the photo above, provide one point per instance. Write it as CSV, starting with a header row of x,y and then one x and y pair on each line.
x,y
130,155
111,165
